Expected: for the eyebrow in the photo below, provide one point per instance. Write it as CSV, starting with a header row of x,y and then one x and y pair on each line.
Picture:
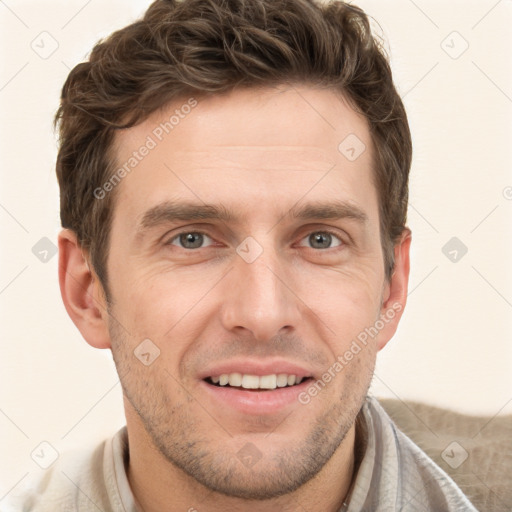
x,y
168,212
331,210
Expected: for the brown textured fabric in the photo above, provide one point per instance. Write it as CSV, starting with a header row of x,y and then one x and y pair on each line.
x,y
486,475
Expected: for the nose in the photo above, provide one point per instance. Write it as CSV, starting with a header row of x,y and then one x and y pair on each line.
x,y
259,298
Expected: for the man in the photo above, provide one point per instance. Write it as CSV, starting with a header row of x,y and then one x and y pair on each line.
x,y
234,180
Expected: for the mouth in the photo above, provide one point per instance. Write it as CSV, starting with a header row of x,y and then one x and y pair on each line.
x,y
249,382
251,394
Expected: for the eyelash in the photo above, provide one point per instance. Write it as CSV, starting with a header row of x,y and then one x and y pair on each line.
x,y
327,231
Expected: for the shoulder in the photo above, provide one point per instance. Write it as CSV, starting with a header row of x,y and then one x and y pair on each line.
x,y
76,481
405,471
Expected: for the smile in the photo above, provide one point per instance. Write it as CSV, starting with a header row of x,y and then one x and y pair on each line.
x,y
248,381
249,394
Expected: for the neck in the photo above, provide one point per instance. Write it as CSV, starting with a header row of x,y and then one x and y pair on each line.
x,y
157,484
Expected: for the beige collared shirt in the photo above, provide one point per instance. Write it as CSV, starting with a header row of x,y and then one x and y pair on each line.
x,y
393,475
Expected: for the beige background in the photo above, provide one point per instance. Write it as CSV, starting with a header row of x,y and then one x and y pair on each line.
x,y
453,347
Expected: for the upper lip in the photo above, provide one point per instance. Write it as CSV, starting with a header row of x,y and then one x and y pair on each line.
x,y
255,367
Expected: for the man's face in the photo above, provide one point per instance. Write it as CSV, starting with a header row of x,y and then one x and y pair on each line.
x,y
272,287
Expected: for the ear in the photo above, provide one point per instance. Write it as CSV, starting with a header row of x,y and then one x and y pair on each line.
x,y
395,291
81,291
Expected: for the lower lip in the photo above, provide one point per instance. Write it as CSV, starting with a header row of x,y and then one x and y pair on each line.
x,y
256,402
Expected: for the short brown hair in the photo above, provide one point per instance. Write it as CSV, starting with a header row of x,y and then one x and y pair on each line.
x,y
203,47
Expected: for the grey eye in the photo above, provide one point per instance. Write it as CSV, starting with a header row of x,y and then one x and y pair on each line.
x,y
322,240
190,240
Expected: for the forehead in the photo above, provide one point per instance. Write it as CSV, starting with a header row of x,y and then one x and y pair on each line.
x,y
247,148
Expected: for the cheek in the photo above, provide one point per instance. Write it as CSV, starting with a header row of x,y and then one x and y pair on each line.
x,y
165,306
346,306
343,296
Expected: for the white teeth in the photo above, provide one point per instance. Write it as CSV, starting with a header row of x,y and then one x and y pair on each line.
x,y
235,379
268,382
248,381
282,380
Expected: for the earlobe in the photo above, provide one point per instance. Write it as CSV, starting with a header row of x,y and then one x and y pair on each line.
x,y
395,295
82,292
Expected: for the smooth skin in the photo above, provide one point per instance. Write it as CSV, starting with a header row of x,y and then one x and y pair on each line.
x,y
259,155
